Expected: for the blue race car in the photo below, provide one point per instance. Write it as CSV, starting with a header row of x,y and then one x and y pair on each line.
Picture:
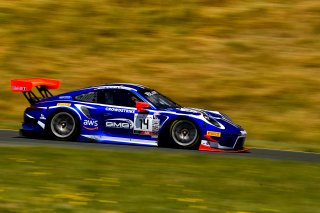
x,y
124,114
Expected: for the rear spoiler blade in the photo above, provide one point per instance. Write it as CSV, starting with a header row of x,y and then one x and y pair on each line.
x,y
26,85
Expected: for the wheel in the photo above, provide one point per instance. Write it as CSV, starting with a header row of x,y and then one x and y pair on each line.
x,y
63,126
184,134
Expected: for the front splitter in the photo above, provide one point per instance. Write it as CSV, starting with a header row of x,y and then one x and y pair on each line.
x,y
210,149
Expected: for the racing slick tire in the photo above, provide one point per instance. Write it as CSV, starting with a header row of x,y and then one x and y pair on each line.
x,y
63,125
185,134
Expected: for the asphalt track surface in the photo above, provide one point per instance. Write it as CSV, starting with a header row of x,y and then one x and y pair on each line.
x,y
12,138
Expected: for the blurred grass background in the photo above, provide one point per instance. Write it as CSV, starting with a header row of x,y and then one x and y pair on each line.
x,y
257,61
53,179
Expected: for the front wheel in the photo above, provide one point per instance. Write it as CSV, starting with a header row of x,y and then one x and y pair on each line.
x,y
63,126
185,134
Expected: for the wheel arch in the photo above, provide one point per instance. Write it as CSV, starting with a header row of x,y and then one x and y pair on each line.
x,y
164,134
54,111
72,111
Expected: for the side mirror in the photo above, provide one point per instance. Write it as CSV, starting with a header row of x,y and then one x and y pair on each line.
x,y
142,106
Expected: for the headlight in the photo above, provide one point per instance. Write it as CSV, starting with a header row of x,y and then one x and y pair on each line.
x,y
211,120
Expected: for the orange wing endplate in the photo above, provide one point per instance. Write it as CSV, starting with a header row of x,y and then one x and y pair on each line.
x,y
25,85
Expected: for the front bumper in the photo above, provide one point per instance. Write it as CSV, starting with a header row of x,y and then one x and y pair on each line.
x,y
204,147
235,144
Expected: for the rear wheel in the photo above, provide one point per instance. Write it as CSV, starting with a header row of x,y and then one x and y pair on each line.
x,y
185,134
63,126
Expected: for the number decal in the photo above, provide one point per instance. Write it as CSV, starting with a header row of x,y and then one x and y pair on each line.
x,y
143,122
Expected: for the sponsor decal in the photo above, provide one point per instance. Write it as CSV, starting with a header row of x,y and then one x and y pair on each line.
x,y
119,123
150,93
90,124
17,88
64,97
64,104
205,143
142,132
91,128
42,117
152,134
214,134
119,110
155,125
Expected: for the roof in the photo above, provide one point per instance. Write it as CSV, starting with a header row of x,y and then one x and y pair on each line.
x,y
128,86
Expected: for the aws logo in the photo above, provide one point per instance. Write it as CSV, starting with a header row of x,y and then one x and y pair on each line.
x,y
90,124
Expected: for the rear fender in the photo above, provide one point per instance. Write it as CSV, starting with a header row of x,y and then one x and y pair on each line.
x,y
71,110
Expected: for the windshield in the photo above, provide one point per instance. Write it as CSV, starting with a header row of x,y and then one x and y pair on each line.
x,y
158,100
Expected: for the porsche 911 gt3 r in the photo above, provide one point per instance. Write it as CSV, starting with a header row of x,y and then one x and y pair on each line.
x,y
125,114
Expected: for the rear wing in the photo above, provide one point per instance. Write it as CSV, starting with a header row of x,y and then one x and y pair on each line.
x,y
27,84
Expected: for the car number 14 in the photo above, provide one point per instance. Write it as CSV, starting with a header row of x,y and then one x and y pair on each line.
x,y
145,123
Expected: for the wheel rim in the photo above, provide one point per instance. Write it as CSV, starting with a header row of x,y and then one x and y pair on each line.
x,y
62,125
184,133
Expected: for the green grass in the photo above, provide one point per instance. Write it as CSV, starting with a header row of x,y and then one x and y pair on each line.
x,y
306,147
52,179
257,61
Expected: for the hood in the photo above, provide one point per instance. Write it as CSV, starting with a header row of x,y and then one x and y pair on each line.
x,y
218,116
196,111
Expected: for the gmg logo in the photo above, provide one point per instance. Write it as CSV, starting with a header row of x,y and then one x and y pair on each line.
x,y
119,123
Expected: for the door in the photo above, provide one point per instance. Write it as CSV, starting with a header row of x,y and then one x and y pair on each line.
x,y
123,120
119,112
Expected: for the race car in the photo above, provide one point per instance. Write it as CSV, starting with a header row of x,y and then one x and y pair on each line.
x,y
124,113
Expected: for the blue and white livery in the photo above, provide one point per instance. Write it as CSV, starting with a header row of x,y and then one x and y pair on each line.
x,y
124,114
